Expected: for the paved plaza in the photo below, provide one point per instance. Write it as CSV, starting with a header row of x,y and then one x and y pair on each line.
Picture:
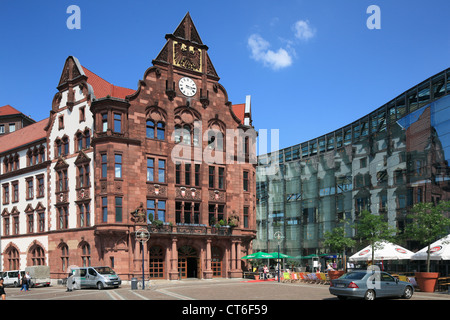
x,y
190,290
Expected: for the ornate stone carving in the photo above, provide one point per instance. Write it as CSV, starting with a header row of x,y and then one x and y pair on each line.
x,y
156,190
187,193
187,57
216,195
139,215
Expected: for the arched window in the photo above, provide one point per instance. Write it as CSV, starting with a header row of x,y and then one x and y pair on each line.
x,y
37,256
150,129
85,255
64,257
160,131
186,134
12,259
58,147
156,130
79,141
87,138
177,133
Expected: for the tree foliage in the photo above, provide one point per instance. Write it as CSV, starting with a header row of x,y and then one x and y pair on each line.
x,y
373,229
429,222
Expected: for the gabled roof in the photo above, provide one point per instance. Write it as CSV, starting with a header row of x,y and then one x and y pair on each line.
x,y
103,88
8,110
239,111
28,134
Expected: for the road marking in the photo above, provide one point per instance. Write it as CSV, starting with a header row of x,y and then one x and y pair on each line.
x,y
114,295
139,295
174,295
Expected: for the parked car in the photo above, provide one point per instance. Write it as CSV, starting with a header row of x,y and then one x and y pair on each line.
x,y
12,277
95,277
369,285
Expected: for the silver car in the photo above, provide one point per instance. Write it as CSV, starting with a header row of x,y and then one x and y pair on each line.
x,y
370,285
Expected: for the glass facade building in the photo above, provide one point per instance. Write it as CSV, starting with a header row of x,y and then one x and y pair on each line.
x,y
385,162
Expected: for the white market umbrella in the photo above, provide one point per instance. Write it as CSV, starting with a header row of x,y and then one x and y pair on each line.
x,y
389,251
439,250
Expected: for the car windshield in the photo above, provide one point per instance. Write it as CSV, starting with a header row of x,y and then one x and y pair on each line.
x,y
353,275
105,270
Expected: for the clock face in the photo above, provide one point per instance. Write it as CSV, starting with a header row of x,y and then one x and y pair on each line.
x,y
187,86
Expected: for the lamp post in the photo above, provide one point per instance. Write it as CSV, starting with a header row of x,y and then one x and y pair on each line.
x,y
279,237
142,235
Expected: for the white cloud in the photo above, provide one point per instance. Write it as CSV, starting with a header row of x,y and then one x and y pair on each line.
x,y
303,30
261,52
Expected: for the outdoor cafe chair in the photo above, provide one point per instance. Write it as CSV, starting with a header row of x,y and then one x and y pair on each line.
x,y
286,277
323,278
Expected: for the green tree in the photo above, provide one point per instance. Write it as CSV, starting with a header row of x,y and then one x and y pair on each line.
x,y
373,229
337,240
429,222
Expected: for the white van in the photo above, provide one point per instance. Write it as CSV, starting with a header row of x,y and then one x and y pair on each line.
x,y
96,277
12,278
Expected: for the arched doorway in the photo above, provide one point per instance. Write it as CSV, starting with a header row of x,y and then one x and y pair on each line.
x,y
188,263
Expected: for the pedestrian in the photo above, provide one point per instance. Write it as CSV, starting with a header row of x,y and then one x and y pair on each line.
x,y
266,271
319,267
70,282
28,277
24,282
2,290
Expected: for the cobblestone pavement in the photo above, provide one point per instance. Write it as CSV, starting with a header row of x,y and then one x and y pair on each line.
x,y
189,290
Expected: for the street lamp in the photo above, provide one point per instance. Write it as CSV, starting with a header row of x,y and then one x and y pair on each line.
x,y
279,237
142,235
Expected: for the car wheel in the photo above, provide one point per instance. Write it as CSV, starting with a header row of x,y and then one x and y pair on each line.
x,y
408,293
100,286
370,295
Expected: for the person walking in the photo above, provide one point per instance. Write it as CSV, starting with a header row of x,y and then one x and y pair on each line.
x,y
28,277
2,290
24,282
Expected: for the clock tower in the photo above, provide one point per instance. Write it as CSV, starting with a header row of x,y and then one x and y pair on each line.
x,y
182,198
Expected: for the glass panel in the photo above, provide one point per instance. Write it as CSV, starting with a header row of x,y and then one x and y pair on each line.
x,y
401,107
438,87
424,95
412,100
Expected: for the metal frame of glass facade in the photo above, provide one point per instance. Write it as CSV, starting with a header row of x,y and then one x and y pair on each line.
x,y
385,162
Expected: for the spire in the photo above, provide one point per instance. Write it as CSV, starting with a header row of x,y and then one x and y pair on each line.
x,y
185,49
72,70
186,30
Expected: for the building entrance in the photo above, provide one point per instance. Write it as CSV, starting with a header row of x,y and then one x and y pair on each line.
x,y
188,263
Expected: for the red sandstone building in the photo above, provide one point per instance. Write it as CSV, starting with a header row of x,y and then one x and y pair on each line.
x,y
173,157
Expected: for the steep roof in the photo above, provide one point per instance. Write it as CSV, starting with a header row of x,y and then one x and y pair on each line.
x,y
239,111
103,88
8,110
28,134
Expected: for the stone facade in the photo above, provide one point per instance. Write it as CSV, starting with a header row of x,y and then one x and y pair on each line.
x,y
120,160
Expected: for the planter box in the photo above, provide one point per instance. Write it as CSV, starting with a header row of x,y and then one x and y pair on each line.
x,y
426,280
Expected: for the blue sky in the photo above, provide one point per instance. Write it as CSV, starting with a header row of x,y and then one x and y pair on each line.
x,y
310,66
